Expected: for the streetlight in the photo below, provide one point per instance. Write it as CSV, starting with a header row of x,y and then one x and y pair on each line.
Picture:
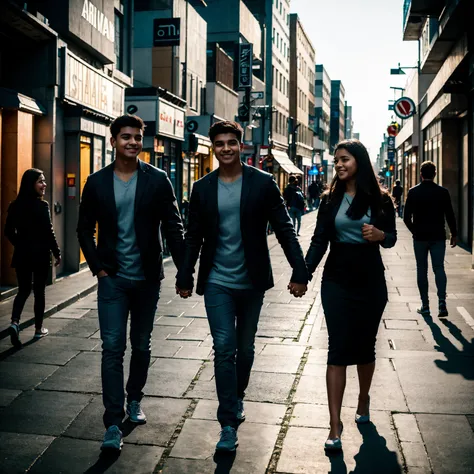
x,y
400,70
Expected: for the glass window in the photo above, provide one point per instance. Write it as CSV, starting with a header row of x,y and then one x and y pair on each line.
x,y
98,154
118,43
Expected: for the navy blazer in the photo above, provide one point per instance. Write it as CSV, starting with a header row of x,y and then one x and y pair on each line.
x,y
325,230
155,209
261,203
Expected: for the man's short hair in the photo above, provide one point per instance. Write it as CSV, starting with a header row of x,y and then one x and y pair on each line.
x,y
292,179
226,126
397,182
126,121
428,170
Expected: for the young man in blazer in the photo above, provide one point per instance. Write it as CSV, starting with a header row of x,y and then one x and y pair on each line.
x,y
131,201
228,215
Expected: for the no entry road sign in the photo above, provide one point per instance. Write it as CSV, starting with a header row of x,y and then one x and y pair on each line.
x,y
404,107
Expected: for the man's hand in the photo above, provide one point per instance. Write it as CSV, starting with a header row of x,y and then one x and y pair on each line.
x,y
297,289
372,234
102,274
183,293
453,241
57,261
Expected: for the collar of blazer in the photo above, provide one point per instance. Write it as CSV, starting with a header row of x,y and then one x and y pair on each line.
x,y
142,180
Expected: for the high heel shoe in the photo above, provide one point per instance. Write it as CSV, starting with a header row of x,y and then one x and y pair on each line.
x,y
334,444
362,419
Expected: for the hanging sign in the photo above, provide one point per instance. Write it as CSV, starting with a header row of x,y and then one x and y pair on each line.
x,y
404,107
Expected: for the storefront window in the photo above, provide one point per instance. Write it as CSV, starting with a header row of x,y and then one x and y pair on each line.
x,y
98,154
145,156
186,190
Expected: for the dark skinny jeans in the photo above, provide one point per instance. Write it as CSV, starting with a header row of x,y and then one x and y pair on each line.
x,y
25,274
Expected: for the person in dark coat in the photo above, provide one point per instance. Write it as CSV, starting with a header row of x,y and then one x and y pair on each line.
x,y
28,227
357,217
397,194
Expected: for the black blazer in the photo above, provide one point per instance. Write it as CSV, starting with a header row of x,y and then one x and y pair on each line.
x,y
261,202
325,230
28,227
155,208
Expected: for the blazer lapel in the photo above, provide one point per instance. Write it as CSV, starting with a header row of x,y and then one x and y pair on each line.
x,y
142,181
247,175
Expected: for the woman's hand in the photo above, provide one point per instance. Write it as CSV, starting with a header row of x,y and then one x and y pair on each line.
x,y
372,234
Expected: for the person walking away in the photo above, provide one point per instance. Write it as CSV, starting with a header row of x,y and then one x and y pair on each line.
x,y
228,215
28,227
295,201
426,208
131,201
358,217
397,194
314,193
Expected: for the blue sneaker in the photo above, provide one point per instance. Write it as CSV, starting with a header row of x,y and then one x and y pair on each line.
x,y
229,440
112,439
135,413
240,410
14,331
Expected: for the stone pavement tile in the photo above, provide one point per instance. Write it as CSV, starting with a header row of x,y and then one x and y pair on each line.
x,y
165,348
70,313
442,385
315,369
24,376
171,377
263,413
470,419
7,396
53,350
415,454
41,412
73,456
287,351
406,324
269,387
449,441
160,333
418,470
81,374
310,416
18,451
200,353
311,389
173,321
407,427
366,448
204,389
276,364
85,327
194,466
191,334
256,442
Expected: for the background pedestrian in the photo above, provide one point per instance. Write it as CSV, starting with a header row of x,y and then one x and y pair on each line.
x,y
295,201
357,216
426,208
397,194
28,227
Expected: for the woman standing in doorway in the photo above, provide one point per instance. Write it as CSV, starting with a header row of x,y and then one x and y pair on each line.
x,y
28,227
357,216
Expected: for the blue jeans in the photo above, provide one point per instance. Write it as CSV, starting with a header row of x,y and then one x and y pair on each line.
x,y
233,318
117,297
437,249
295,215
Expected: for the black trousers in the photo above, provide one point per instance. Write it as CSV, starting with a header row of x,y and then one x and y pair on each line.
x,y
25,274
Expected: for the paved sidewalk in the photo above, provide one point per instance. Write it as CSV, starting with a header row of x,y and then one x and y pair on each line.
x,y
422,396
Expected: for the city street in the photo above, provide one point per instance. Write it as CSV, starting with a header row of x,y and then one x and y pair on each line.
x,y
422,396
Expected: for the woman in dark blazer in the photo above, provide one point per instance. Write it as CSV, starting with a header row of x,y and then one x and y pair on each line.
x,y
28,227
357,216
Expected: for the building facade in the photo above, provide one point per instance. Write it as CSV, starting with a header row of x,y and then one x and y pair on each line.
x,y
73,63
302,99
349,122
338,120
445,100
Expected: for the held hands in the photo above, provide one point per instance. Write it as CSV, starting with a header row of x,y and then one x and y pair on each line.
x,y
102,274
297,289
372,234
183,293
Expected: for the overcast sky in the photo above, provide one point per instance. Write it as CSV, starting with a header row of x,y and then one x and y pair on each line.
x,y
358,41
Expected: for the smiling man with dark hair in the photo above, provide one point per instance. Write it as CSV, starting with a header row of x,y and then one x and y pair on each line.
x,y
131,201
229,211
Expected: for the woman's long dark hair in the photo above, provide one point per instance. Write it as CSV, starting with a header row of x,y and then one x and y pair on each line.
x,y
368,190
27,191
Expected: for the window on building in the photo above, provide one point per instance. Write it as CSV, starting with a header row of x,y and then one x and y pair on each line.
x,y
191,92
273,37
118,42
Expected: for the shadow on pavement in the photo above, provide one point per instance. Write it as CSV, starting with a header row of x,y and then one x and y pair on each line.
x,y
11,350
127,427
373,457
452,365
224,462
105,461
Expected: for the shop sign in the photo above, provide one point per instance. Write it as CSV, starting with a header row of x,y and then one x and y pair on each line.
x,y
166,31
404,108
244,66
391,143
98,20
170,121
86,86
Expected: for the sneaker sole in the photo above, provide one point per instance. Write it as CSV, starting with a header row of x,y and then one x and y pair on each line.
x,y
14,337
137,422
225,450
111,448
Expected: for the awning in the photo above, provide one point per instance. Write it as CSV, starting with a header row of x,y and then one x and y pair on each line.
x,y
10,99
284,161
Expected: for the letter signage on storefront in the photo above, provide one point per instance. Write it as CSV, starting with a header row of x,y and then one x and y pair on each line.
x,y
170,121
166,31
244,66
86,86
98,20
